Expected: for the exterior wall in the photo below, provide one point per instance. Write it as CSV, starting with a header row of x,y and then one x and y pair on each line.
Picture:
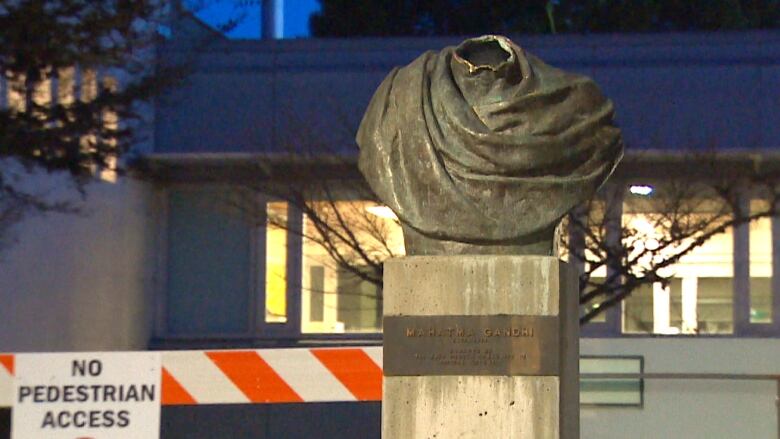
x,y
692,408
671,91
217,396
80,282
85,282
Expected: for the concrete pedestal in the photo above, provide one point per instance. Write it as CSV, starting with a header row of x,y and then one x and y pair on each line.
x,y
484,405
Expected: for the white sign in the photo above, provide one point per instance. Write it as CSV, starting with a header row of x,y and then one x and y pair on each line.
x,y
94,395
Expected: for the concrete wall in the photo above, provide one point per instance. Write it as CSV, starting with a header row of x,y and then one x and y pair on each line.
x,y
79,282
690,408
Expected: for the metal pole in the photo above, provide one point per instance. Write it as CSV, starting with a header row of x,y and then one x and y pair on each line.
x,y
273,19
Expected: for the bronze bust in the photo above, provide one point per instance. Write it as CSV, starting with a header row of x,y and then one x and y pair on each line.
x,y
483,148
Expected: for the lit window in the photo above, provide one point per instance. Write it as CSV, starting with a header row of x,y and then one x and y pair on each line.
x,y
66,86
343,248
698,296
89,85
42,93
16,94
276,263
760,265
89,91
593,227
595,303
111,122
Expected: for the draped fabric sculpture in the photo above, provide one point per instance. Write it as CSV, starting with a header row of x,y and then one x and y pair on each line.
x,y
483,148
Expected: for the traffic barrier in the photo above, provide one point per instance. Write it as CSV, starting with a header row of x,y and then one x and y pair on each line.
x,y
6,380
256,376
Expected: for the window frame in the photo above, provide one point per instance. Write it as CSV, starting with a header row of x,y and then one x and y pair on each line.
x,y
612,327
640,359
259,333
262,333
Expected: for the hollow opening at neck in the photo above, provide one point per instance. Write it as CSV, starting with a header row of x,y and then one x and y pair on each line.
x,y
487,53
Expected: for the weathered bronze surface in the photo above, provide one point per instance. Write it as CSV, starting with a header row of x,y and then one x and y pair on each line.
x,y
471,345
482,148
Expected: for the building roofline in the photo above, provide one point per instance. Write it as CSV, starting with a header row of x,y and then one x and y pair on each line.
x,y
639,164
569,41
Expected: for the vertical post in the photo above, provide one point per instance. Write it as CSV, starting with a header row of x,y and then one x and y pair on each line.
x,y
614,193
3,93
577,240
273,19
690,291
661,308
294,268
259,261
742,268
775,273
160,264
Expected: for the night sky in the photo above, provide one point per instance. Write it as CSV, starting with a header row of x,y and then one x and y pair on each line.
x,y
296,17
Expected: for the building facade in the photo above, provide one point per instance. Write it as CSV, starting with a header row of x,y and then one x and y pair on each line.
x,y
678,98
201,252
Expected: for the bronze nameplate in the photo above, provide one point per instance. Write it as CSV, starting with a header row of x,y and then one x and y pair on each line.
x,y
471,345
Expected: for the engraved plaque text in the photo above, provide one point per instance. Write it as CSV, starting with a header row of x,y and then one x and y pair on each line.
x,y
471,345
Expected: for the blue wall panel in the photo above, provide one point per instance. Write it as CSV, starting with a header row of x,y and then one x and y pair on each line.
x,y
672,91
208,264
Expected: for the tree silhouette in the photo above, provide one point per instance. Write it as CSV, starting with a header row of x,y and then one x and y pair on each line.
x,y
345,18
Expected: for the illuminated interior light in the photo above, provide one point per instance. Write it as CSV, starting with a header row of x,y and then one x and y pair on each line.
x,y
641,189
689,299
382,212
661,308
642,225
108,173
